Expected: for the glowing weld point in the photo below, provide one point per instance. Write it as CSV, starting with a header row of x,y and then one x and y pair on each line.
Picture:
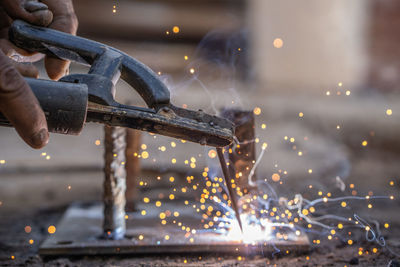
x,y
251,232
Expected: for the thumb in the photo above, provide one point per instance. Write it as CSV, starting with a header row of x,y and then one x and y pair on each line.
x,y
20,106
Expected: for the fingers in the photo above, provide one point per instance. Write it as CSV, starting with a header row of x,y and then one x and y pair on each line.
x,y
42,15
29,10
64,20
56,68
26,69
20,106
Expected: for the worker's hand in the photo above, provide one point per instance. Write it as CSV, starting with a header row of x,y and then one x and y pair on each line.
x,y
17,101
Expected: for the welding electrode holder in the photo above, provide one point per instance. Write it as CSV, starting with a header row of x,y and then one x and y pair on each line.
x,y
106,63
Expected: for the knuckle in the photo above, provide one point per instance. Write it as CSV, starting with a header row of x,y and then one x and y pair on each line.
x,y
11,81
69,23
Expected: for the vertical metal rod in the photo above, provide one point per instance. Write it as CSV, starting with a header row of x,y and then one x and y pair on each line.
x,y
132,166
114,183
114,186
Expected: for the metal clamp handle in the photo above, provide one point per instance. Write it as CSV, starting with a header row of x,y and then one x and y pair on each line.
x,y
81,50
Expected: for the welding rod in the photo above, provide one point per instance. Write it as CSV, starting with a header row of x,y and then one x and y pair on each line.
x,y
231,193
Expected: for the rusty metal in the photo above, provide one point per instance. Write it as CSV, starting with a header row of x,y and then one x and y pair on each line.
x,y
132,167
161,117
242,153
114,183
79,231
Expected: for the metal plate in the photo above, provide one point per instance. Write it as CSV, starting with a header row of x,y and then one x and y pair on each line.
x,y
79,233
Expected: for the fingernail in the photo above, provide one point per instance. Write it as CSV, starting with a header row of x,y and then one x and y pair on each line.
x,y
40,139
32,6
43,17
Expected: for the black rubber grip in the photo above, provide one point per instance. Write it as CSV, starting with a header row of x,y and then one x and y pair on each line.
x,y
64,104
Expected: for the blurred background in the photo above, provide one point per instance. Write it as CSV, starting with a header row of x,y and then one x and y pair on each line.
x,y
322,78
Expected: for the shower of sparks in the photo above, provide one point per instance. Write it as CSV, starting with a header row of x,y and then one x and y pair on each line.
x,y
265,215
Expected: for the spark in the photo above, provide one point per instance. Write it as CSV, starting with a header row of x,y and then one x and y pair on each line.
x,y
257,111
51,229
364,143
278,43
275,177
145,154
176,29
